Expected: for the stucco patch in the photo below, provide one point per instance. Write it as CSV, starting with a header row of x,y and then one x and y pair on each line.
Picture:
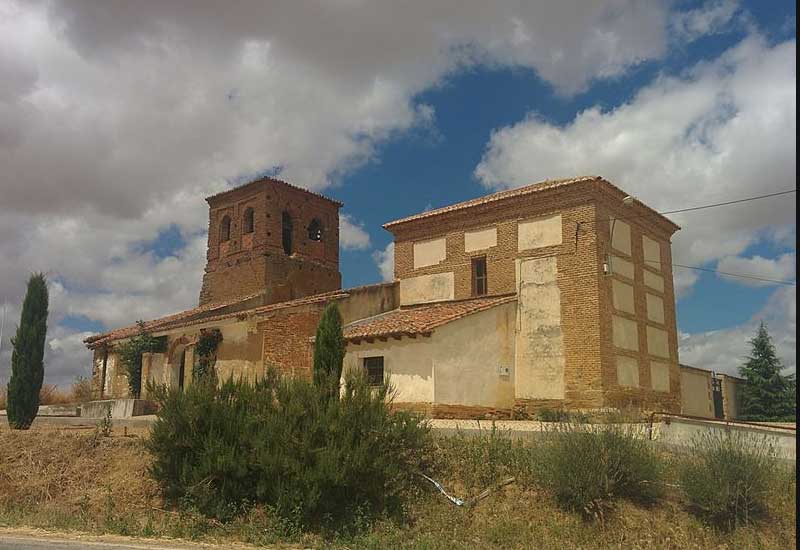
x,y
539,358
657,342
427,288
480,240
627,371
655,308
656,282
652,252
696,393
539,232
659,376
623,296
626,335
621,237
429,252
622,266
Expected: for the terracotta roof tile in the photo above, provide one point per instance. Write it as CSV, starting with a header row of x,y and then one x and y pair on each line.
x,y
420,319
273,180
509,193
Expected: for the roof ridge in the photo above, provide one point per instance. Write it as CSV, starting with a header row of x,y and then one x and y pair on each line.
x,y
266,179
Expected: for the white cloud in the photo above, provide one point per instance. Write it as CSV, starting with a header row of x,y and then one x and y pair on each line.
x,y
710,18
781,268
385,261
352,235
726,350
724,129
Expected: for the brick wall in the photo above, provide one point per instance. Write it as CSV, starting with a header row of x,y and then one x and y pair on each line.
x,y
255,262
287,343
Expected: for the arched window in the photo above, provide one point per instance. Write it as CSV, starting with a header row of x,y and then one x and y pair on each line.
x,y
287,226
315,230
248,223
225,229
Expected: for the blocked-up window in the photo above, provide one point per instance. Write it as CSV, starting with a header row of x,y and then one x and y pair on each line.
x,y
374,369
225,229
480,280
248,222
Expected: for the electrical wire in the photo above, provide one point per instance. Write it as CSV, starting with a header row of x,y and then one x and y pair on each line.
x,y
729,274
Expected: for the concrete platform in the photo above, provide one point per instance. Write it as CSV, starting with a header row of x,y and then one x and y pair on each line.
x,y
120,408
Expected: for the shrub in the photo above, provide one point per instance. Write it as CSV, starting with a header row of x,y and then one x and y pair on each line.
x,y
727,476
81,390
27,357
282,443
588,467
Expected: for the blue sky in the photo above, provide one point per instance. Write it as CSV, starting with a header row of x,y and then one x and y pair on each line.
x,y
114,125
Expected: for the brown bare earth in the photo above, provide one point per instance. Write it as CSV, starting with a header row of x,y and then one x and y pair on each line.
x,y
70,480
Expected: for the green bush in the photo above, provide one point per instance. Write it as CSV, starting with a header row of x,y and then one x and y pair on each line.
x,y
588,467
281,443
727,477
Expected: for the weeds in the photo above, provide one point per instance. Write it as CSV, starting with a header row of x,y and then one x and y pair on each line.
x,y
727,477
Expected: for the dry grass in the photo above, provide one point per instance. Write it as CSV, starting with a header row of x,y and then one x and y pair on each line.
x,y
67,479
79,392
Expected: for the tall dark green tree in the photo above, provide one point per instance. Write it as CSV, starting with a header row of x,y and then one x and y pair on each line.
x,y
329,348
767,394
27,357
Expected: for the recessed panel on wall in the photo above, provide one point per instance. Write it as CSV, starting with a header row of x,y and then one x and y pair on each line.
x,y
654,281
659,376
620,236
655,308
427,288
652,252
657,342
622,267
429,252
539,232
480,240
627,371
539,351
626,335
622,294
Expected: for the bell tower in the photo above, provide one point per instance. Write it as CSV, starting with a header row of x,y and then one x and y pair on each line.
x,y
271,238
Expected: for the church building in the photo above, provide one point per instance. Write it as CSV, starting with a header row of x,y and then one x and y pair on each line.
x,y
557,295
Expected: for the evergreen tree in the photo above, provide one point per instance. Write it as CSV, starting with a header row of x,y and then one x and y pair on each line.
x,y
767,395
27,357
329,348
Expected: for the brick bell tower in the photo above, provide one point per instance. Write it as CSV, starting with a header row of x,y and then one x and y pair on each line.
x,y
270,237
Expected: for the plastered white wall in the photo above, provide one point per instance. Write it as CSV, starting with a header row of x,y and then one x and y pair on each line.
x,y
696,393
655,308
539,361
659,375
539,232
621,236
427,288
429,252
627,371
457,365
652,252
626,335
622,266
657,342
656,282
480,240
622,294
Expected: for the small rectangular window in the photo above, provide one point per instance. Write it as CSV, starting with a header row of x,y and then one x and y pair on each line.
x,y
374,368
480,281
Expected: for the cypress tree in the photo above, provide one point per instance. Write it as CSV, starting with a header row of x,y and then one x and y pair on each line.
x,y
27,357
329,348
767,395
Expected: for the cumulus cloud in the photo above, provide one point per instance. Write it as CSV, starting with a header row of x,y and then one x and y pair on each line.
x,y
115,120
726,350
724,129
781,268
385,261
710,18
352,235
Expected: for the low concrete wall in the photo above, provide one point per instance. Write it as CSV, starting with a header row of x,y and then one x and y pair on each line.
x,y
679,433
55,410
120,408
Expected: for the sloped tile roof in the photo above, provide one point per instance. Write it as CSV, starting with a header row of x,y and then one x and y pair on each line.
x,y
509,193
420,319
273,180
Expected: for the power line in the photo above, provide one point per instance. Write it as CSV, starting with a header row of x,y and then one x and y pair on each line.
x,y
729,274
